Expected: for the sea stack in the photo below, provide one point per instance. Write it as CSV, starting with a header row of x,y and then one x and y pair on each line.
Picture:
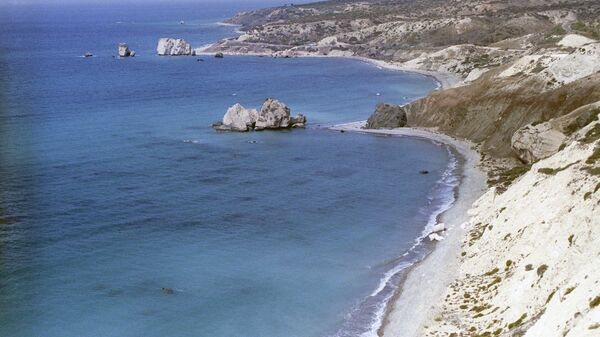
x,y
273,115
174,47
124,50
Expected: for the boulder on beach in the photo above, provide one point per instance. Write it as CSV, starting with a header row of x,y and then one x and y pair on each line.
x,y
272,115
174,47
435,237
124,50
387,116
437,228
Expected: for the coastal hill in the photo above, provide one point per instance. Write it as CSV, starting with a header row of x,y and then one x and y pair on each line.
x,y
514,63
527,94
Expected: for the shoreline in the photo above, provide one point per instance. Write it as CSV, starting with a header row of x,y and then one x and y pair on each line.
x,y
436,270
444,80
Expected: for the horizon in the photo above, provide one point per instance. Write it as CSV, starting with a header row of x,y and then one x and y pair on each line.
x,y
17,3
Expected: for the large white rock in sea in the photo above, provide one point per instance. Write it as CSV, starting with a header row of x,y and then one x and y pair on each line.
x,y
238,118
272,115
174,47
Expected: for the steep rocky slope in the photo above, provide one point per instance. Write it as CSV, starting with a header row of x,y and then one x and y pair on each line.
x,y
529,261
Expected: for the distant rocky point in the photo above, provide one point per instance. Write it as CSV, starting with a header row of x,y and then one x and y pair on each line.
x,y
124,50
387,116
272,115
174,47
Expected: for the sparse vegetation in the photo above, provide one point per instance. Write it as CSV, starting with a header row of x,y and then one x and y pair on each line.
x,y
582,120
494,282
550,297
595,302
592,135
569,290
492,272
504,179
541,270
517,323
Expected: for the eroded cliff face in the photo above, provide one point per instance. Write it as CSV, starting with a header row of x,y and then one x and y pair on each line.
x,y
490,110
529,261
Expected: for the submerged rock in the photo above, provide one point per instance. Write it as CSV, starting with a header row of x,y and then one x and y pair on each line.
x,y
272,115
174,47
168,291
387,116
124,50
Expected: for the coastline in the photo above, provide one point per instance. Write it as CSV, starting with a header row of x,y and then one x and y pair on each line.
x,y
444,80
424,282
439,266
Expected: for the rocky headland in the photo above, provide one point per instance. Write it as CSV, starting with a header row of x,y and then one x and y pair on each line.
x,y
273,115
521,261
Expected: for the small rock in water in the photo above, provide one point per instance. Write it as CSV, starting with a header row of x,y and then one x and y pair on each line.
x,y
219,55
251,142
124,50
88,54
342,131
168,291
200,60
424,172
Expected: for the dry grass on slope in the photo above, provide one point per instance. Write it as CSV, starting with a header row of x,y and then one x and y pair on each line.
x,y
491,109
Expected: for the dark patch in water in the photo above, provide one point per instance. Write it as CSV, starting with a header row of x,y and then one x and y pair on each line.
x,y
214,180
335,173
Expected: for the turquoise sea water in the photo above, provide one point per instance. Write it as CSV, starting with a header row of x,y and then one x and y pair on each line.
x,y
114,186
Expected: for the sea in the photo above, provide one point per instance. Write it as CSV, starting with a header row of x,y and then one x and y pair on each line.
x,y
124,214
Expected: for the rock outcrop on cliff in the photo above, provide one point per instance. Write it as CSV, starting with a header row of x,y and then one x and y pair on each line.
x,y
272,115
174,47
387,116
534,142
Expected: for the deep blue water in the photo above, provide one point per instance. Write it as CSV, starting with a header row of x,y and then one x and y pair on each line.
x,y
114,186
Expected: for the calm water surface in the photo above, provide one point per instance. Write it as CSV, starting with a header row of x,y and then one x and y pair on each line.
x,y
114,186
